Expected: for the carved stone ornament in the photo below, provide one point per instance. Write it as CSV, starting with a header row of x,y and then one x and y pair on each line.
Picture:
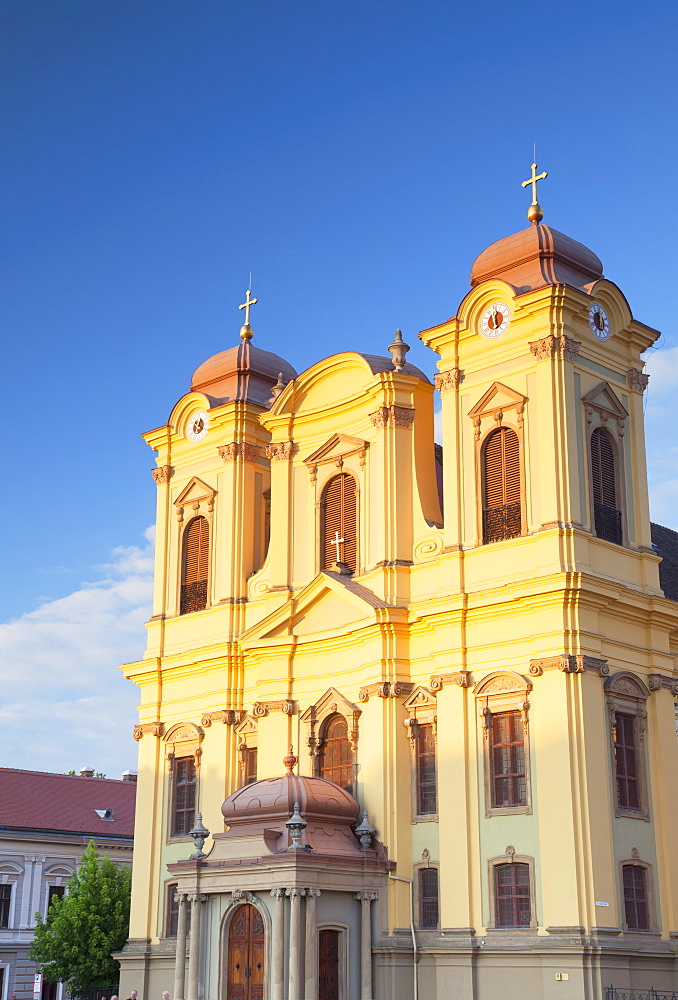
x,y
656,682
242,896
163,474
555,347
637,380
228,716
148,729
385,689
281,451
366,897
451,379
462,678
635,854
392,416
262,708
509,851
239,450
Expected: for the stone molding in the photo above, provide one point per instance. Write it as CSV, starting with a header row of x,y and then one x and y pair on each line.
x,y
148,729
163,474
228,716
569,664
637,380
555,347
451,379
242,896
239,450
462,678
280,451
385,689
366,897
656,682
262,708
392,416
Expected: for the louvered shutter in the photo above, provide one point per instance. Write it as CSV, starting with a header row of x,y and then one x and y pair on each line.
x,y
339,514
195,566
502,515
606,513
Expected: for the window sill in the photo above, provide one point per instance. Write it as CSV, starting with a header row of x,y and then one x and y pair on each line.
x,y
425,818
509,811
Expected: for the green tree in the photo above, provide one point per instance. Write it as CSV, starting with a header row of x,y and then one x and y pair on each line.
x,y
74,944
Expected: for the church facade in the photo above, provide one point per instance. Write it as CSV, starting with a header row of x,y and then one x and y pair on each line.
x,y
408,713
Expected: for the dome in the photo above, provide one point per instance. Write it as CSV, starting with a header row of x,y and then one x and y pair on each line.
x,y
536,257
243,373
264,807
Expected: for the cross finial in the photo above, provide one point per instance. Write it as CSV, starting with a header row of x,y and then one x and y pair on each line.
x,y
535,212
246,331
337,541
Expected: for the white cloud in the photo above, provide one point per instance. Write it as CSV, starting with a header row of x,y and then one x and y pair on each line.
x,y
65,702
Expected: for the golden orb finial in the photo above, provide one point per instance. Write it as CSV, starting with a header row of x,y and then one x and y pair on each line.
x,y
535,212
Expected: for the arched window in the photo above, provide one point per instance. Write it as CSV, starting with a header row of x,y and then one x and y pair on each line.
x,y
502,514
336,755
194,566
606,514
339,522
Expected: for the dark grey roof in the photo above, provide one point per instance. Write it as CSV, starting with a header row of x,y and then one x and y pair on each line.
x,y
665,541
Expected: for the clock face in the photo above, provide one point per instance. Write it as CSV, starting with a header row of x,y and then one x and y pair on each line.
x,y
197,425
495,320
598,321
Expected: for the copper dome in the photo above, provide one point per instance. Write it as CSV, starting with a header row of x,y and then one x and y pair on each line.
x,y
243,373
535,257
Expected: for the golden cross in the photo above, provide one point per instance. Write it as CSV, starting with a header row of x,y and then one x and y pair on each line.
x,y
246,305
533,181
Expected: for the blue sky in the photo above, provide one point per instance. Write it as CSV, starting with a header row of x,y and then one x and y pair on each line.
x,y
355,157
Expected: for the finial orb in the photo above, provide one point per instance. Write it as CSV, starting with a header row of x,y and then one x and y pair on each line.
x,y
535,213
290,761
246,332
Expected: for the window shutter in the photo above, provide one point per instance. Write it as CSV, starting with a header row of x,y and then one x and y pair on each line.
x,y
195,566
635,897
502,517
336,756
606,513
339,514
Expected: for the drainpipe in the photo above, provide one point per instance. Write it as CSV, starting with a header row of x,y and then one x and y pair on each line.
x,y
414,940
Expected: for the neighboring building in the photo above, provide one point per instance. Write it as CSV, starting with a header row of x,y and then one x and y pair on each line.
x,y
46,822
495,686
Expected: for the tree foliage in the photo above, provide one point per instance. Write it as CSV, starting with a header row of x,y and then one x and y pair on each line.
x,y
74,944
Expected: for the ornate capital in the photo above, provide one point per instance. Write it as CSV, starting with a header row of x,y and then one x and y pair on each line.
x,y
312,893
239,450
228,716
295,894
163,474
366,897
386,689
262,708
196,898
148,729
392,416
180,898
278,893
281,451
462,678
555,347
451,379
637,380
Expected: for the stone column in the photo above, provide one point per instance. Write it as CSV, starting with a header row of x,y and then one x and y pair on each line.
x,y
196,900
365,898
294,981
278,958
311,951
180,960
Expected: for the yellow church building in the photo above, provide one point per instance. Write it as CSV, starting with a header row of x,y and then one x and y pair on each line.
x,y
408,713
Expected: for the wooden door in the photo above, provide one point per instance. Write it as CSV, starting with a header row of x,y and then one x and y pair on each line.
x,y
246,955
328,965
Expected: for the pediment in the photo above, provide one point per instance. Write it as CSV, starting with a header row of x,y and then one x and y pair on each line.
x,y
247,727
603,397
338,446
497,397
625,683
330,602
502,682
184,732
193,492
421,698
332,701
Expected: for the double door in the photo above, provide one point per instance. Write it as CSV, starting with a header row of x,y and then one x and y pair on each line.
x,y
246,955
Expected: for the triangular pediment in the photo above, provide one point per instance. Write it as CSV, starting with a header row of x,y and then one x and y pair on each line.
x,y
339,445
332,701
193,492
330,602
421,698
246,727
497,397
603,397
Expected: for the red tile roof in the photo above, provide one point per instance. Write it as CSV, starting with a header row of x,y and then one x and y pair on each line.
x,y
36,800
